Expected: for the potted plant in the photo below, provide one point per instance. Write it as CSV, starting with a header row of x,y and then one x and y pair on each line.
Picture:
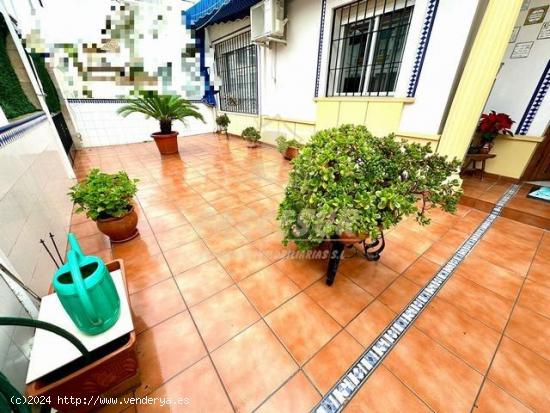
x,y
107,200
165,109
252,136
490,126
289,148
223,122
349,184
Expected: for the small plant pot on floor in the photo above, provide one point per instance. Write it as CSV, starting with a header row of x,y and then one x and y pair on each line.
x,y
120,229
167,143
291,153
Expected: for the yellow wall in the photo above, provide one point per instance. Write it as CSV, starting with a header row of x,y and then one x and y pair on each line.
x,y
512,155
271,127
381,115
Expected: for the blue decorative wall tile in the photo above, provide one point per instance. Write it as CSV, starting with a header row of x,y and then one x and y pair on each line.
x,y
536,101
320,50
422,46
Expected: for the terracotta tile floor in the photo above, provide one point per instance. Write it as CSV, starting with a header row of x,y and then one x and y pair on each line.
x,y
484,194
228,323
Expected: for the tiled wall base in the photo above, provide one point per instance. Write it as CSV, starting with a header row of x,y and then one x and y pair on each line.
x,y
348,385
99,124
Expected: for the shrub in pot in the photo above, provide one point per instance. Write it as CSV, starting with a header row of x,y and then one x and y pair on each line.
x,y
288,148
165,109
490,126
107,200
348,183
223,122
252,136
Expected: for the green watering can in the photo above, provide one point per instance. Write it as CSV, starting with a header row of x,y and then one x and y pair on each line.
x,y
87,291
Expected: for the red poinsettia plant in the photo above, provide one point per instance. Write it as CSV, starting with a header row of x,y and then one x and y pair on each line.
x,y
493,124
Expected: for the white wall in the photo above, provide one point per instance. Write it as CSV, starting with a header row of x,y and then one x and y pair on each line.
x,y
286,72
35,177
99,124
289,71
446,47
518,78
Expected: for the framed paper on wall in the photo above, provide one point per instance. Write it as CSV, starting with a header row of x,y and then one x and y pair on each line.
x,y
536,15
521,50
514,35
544,31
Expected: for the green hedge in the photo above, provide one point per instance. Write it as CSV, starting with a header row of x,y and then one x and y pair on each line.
x,y
52,99
13,100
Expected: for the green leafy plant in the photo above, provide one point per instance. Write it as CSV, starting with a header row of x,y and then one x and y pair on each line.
x,y
52,98
283,144
103,195
348,181
164,108
250,134
13,100
223,122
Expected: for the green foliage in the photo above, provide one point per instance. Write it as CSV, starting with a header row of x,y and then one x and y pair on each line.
x,y
223,121
103,195
251,134
164,108
283,144
346,180
13,100
52,99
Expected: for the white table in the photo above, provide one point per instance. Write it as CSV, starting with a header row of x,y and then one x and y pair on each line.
x,y
50,351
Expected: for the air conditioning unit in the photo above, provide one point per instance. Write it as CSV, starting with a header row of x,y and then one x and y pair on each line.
x,y
267,20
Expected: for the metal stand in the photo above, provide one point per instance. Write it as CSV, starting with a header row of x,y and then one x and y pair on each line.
x,y
371,252
336,250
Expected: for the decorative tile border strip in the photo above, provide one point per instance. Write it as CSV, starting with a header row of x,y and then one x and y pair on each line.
x,y
348,385
320,49
425,35
536,101
18,129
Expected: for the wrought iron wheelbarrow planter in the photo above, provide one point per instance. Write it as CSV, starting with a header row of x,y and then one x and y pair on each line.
x,y
371,252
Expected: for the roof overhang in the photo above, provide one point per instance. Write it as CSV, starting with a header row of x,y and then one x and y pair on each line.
x,y
206,12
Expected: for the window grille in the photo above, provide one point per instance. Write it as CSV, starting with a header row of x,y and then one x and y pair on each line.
x,y
368,40
237,66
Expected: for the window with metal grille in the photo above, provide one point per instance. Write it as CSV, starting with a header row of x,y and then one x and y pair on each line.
x,y
368,40
237,66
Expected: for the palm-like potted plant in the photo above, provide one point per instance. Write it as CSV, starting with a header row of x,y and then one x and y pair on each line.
x,y
165,109
107,199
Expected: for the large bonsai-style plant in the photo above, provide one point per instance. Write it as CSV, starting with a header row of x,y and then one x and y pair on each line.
x,y
165,109
348,181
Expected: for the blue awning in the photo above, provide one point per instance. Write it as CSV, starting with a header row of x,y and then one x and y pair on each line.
x,y
215,11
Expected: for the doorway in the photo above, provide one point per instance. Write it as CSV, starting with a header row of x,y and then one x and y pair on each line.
x,y
538,168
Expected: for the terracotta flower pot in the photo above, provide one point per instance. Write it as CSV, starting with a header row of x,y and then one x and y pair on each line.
x,y
120,229
291,153
166,142
486,147
349,238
